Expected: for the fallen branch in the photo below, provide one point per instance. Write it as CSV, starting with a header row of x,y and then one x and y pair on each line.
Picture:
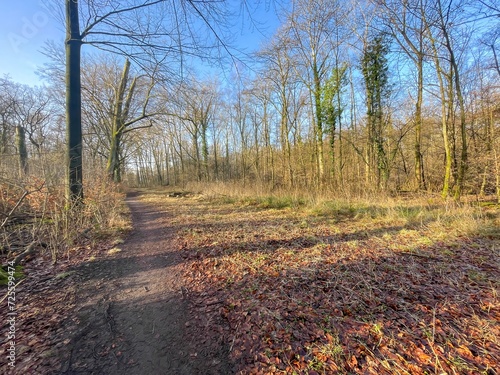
x,y
26,192
30,249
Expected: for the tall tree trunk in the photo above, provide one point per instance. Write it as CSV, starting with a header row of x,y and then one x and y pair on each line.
x,y
374,67
21,150
167,163
419,162
216,159
462,168
73,42
285,140
319,122
339,121
455,80
331,141
196,146
118,125
448,158
227,164
204,148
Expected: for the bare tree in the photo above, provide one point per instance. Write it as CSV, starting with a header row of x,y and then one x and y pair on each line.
x,y
404,20
142,30
311,30
194,106
25,113
281,74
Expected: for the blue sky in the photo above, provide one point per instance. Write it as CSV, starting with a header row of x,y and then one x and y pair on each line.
x,y
25,25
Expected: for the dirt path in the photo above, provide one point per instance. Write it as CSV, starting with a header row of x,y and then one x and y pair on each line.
x,y
134,318
284,291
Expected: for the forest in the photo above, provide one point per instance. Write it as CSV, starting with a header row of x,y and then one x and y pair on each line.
x,y
378,113
383,96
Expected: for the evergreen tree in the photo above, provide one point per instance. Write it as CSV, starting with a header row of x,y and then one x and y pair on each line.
x,y
374,67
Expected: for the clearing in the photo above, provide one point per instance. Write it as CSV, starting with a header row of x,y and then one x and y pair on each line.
x,y
273,286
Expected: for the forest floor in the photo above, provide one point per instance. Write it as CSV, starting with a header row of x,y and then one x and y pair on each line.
x,y
270,286
119,308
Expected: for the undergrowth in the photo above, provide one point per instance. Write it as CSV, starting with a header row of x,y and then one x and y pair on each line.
x,y
33,211
470,217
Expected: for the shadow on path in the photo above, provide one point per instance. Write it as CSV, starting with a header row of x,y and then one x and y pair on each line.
x,y
132,316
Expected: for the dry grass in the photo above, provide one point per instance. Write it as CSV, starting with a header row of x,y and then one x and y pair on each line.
x,y
44,216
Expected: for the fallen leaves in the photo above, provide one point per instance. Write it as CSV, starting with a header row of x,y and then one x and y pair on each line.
x,y
288,292
45,301
344,298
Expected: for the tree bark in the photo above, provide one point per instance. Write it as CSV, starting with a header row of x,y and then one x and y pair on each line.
x,y
21,150
419,163
462,167
74,192
319,122
118,125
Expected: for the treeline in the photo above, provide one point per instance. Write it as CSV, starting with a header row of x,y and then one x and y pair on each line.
x,y
384,96
347,97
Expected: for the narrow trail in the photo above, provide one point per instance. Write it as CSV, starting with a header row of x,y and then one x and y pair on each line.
x,y
133,314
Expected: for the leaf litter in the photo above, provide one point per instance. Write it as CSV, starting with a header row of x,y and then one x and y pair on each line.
x,y
291,292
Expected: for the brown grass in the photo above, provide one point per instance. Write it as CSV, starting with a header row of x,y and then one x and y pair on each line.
x,y
44,215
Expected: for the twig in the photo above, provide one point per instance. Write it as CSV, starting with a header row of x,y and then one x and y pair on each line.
x,y
15,286
26,192
234,337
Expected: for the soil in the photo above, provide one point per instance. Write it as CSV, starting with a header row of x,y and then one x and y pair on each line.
x,y
135,317
128,312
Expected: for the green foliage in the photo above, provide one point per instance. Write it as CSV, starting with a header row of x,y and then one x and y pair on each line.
x,y
374,67
4,274
331,104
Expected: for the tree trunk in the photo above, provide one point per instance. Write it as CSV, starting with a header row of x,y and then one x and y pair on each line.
x,y
204,148
21,150
216,159
113,166
73,42
118,125
497,173
339,121
197,153
419,162
3,137
319,122
462,169
455,80
444,121
285,141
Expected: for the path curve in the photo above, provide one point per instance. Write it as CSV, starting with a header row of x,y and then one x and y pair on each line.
x,y
133,314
